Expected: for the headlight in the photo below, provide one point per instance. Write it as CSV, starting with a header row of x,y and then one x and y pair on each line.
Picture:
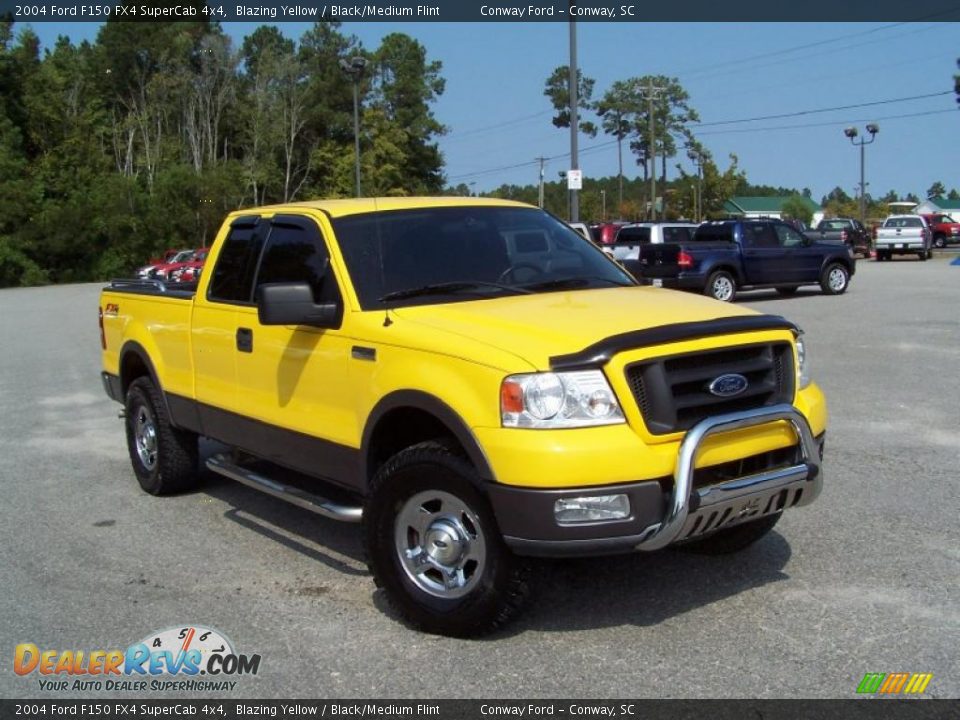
x,y
558,400
803,371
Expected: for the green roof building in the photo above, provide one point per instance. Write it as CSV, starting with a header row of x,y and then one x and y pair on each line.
x,y
768,207
939,205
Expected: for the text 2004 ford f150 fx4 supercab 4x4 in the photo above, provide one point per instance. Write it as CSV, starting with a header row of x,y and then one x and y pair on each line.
x,y
474,382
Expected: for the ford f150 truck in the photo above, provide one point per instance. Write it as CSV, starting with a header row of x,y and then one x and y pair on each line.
x,y
904,235
728,255
474,382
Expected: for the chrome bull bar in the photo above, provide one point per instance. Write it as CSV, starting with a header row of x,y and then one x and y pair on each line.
x,y
689,514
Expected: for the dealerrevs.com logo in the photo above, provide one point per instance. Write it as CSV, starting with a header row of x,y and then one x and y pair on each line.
x,y
184,658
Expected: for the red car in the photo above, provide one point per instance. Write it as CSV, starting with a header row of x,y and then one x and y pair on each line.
x,y
182,260
190,270
606,233
170,256
945,229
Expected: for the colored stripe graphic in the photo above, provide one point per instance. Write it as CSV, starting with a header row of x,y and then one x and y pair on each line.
x,y
871,683
894,683
918,683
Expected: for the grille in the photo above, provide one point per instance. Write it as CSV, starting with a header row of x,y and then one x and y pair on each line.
x,y
672,392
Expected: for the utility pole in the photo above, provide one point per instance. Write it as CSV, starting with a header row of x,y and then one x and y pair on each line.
x,y
652,93
574,117
540,194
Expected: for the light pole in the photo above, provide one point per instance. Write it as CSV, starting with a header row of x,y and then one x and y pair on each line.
x,y
697,159
354,69
574,213
603,203
851,132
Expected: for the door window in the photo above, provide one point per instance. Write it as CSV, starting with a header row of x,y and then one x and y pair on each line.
x,y
296,253
788,237
233,274
760,235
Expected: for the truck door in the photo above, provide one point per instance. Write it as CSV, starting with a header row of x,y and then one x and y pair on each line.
x,y
763,261
293,379
214,325
801,262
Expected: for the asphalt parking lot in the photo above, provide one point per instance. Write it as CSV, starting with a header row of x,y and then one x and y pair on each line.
x,y
864,580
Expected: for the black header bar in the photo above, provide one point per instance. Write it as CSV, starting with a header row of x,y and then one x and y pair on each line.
x,y
404,11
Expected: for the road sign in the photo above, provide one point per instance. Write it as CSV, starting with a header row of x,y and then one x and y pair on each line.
x,y
574,179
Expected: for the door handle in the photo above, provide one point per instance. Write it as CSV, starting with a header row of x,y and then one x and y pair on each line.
x,y
245,340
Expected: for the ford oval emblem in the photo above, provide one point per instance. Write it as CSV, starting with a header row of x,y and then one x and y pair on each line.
x,y
728,385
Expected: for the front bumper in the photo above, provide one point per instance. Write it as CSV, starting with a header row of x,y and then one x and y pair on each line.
x,y
663,515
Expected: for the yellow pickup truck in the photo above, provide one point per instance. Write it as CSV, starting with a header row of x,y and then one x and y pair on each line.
x,y
471,380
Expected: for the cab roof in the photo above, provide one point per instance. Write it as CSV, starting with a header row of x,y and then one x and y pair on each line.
x,y
356,206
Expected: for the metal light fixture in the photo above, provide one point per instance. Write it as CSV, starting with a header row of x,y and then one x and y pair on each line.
x,y
851,132
354,68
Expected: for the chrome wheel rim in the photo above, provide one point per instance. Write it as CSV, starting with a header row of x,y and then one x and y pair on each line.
x,y
837,279
723,288
440,544
145,437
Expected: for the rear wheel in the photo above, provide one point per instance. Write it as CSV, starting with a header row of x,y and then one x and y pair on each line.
x,y
834,279
434,547
721,286
733,539
164,458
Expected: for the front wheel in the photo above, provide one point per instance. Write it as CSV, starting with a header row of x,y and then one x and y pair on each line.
x,y
834,279
164,458
721,286
434,547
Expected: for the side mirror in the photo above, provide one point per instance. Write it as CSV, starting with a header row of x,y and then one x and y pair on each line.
x,y
292,304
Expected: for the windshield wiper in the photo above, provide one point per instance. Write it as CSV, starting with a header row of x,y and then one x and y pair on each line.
x,y
451,287
574,282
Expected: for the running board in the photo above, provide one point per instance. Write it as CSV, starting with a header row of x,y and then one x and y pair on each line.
x,y
221,465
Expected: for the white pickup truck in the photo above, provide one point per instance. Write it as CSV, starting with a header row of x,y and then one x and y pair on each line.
x,y
904,235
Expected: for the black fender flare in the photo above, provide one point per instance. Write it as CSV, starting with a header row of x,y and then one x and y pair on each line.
x,y
431,405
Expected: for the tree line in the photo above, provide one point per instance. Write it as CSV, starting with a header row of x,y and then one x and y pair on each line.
x,y
115,150
651,117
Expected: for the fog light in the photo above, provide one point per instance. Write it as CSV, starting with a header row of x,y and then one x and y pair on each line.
x,y
591,509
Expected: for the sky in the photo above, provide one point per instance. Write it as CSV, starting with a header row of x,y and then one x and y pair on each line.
x,y
498,119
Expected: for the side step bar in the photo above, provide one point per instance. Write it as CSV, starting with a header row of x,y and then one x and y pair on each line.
x,y
222,465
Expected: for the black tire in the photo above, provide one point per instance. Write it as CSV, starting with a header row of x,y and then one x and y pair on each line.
x,y
731,540
788,291
834,279
940,241
435,488
721,285
922,256
164,458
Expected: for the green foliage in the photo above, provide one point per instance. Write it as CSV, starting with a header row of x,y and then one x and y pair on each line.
x,y
936,190
797,209
112,152
557,89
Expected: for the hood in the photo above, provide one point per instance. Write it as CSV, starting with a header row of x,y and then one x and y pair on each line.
x,y
538,327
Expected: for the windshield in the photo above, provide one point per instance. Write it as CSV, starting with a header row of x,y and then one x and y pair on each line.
x,y
448,254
